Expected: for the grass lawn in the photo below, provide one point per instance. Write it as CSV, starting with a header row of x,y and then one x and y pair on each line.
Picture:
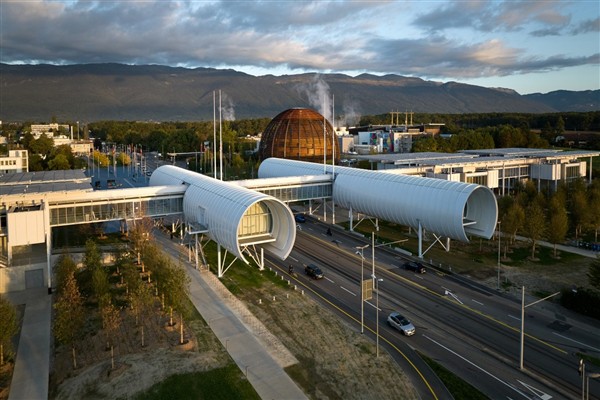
x,y
222,383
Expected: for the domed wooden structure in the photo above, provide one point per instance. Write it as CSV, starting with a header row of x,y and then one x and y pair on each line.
x,y
297,134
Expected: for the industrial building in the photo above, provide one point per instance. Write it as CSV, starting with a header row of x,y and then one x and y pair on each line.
x,y
497,169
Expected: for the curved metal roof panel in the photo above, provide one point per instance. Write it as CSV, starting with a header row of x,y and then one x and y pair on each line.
x,y
451,209
220,206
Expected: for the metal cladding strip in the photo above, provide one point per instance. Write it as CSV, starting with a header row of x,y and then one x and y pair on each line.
x,y
450,209
220,206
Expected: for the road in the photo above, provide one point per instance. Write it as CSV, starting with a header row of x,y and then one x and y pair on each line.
x,y
471,330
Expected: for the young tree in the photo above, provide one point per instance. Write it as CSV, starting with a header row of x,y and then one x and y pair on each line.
x,y
578,206
92,258
64,267
69,314
594,273
594,207
535,225
558,222
111,320
140,234
8,327
512,221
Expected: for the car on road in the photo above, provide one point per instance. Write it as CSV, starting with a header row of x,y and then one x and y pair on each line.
x,y
415,267
300,218
313,271
400,322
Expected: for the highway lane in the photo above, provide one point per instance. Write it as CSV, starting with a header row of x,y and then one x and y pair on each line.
x,y
443,314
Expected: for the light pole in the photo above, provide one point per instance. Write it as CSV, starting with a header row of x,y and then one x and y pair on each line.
x,y
499,236
360,250
523,306
593,375
377,317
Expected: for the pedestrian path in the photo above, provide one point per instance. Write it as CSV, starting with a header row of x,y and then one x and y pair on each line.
x,y
263,371
32,365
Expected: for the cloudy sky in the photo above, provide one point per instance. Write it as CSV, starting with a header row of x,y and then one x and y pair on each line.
x,y
529,46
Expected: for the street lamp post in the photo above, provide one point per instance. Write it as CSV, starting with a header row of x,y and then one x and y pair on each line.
x,y
523,306
360,250
593,375
377,315
499,236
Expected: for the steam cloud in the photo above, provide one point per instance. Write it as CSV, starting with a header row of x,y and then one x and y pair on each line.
x,y
317,94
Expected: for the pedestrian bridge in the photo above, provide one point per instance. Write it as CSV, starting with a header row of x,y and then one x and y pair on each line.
x,y
247,217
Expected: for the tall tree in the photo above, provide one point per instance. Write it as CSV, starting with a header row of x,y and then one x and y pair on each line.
x,y
535,225
558,222
69,315
8,327
594,273
111,320
594,207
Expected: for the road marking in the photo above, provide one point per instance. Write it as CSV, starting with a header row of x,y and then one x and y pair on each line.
x,y
575,341
326,278
536,392
372,305
512,316
449,293
352,293
478,367
394,265
293,258
478,302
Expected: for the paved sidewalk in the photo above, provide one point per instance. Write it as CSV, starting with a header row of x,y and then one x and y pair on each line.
x,y
262,360
32,365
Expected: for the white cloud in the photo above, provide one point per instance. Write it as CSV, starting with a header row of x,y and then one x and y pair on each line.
x,y
451,41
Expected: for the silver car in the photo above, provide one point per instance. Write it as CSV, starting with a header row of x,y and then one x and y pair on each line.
x,y
398,321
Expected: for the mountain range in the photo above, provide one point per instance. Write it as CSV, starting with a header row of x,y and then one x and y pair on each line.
x,y
93,92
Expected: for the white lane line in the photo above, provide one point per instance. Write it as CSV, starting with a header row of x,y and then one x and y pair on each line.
x,y
394,265
326,278
575,341
352,293
512,316
478,302
293,258
372,305
478,367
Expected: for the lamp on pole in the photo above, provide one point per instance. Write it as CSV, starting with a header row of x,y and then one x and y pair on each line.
x,y
377,315
523,306
499,236
360,250
593,375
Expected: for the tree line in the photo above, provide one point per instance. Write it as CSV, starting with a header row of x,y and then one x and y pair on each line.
x,y
573,209
142,285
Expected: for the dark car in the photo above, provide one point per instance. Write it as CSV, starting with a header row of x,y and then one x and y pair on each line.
x,y
300,218
415,267
313,271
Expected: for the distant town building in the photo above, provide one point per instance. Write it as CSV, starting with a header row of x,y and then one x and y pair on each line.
x,y
78,147
17,161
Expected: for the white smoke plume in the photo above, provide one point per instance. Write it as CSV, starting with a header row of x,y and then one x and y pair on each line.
x,y
227,107
351,113
317,94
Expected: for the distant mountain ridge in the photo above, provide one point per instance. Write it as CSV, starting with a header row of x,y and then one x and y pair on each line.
x,y
92,92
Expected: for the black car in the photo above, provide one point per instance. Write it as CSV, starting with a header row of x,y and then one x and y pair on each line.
x,y
300,218
313,271
415,267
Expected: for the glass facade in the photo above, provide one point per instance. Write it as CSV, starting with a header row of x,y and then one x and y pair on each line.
x,y
257,221
69,214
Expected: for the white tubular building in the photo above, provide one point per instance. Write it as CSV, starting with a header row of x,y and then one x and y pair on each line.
x,y
450,209
234,217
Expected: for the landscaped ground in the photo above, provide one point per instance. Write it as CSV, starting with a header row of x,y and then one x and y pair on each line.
x,y
335,361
